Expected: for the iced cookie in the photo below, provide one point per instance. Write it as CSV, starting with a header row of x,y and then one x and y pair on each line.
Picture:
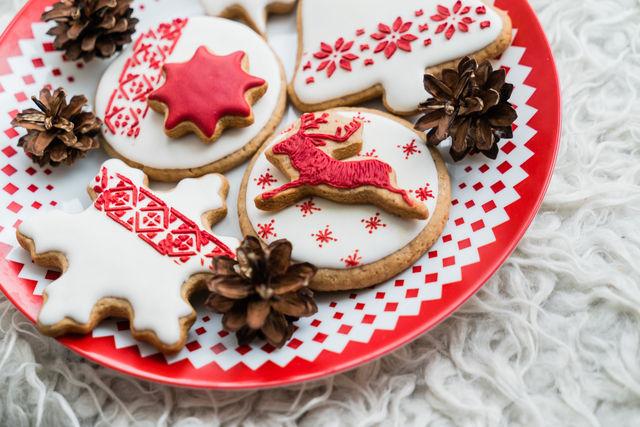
x,y
353,245
135,253
135,133
252,12
311,155
352,51
207,94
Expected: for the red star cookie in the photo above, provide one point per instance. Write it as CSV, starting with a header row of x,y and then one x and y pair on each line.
x,y
207,94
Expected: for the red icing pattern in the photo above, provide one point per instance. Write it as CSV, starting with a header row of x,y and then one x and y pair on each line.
x,y
396,40
324,236
141,75
163,227
373,223
327,51
190,86
316,167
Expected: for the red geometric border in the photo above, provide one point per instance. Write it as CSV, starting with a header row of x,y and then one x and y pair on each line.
x,y
544,145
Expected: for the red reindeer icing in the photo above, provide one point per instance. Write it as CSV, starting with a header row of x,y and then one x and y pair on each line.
x,y
317,167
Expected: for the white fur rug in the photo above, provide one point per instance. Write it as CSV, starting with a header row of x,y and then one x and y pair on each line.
x,y
553,339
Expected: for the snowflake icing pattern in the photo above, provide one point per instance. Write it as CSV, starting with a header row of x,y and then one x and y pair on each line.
x,y
424,193
308,207
267,230
324,236
352,260
410,149
326,51
449,18
265,180
397,38
371,153
374,223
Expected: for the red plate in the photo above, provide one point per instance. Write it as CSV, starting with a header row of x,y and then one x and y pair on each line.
x,y
493,204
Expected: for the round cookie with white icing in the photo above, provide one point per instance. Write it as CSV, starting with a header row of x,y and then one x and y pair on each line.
x,y
354,245
134,253
135,133
252,12
352,51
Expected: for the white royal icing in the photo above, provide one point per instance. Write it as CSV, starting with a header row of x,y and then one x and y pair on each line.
x,y
401,75
367,229
151,147
108,260
255,9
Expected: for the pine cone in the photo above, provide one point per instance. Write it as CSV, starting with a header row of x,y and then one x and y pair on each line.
x,y
89,28
58,133
470,105
261,294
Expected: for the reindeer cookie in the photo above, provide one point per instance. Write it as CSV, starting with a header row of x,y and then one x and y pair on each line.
x,y
252,12
217,72
341,211
135,253
312,160
352,51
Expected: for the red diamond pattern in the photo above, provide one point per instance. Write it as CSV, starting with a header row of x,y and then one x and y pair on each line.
x,y
338,316
10,188
54,275
11,133
36,205
218,348
333,304
478,225
31,171
243,349
267,348
412,293
316,323
446,238
417,269
459,221
431,278
21,97
193,346
320,337
508,147
483,168
123,325
391,306
38,63
504,167
294,343
399,283
433,254
447,262
470,204
359,306
368,319
201,331
9,151
14,207
205,319
498,187
345,329
223,334
478,186
489,206
28,80
464,244
48,47
380,295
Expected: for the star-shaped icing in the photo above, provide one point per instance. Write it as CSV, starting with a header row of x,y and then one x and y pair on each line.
x,y
134,247
207,94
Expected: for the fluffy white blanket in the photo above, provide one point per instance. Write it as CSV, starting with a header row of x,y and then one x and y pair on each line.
x,y
553,339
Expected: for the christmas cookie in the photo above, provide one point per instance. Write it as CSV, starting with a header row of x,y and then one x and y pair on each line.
x,y
310,157
252,12
349,52
135,253
353,245
207,94
135,133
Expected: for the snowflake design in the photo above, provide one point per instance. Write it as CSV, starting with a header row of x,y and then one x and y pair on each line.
x,y
327,51
267,230
397,38
374,223
352,260
444,14
265,180
410,149
362,118
424,193
371,153
324,236
308,207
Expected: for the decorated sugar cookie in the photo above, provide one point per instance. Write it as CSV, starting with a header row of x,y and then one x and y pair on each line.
x,y
252,12
134,132
207,94
353,245
352,51
135,253
311,157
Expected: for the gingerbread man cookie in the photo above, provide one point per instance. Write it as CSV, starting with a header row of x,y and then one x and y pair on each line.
x,y
134,253
134,133
252,12
354,245
207,94
352,51
311,159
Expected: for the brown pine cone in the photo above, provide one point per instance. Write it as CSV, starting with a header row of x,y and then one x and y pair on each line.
x,y
58,132
90,28
470,105
261,294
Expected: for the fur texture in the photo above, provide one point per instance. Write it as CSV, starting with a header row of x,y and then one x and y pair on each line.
x,y
553,339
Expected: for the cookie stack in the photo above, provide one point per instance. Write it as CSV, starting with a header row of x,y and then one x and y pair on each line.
x,y
343,198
